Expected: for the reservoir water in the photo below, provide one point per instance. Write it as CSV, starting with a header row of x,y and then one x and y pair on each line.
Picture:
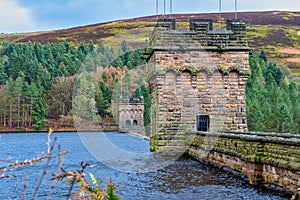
x,y
183,179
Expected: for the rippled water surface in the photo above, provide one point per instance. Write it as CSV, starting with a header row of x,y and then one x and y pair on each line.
x,y
184,179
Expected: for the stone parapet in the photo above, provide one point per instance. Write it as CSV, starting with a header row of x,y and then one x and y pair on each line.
x,y
269,158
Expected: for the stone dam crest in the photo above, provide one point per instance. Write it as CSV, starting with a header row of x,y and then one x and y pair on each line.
x,y
198,78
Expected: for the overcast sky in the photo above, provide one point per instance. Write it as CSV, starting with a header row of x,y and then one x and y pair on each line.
x,y
34,15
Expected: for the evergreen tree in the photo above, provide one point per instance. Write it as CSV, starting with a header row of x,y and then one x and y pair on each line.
x,y
11,101
285,124
19,95
4,104
272,104
62,70
102,60
39,109
84,98
3,75
105,104
146,94
263,56
101,48
91,46
82,51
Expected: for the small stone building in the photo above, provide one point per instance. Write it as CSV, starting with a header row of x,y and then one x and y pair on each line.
x,y
197,78
131,116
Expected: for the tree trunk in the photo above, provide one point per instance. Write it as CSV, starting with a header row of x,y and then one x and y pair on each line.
x,y
19,111
30,115
10,115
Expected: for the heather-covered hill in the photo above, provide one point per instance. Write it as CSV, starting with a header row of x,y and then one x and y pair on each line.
x,y
277,32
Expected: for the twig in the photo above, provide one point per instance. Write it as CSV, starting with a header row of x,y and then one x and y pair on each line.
x,y
45,170
70,190
24,189
60,161
16,187
50,131
25,163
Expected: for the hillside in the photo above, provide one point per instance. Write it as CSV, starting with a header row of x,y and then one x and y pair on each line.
x,y
277,32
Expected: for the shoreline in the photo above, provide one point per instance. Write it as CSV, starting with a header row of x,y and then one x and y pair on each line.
x,y
106,125
69,131
138,135
12,131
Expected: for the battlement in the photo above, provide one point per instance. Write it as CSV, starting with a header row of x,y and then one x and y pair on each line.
x,y
132,100
200,35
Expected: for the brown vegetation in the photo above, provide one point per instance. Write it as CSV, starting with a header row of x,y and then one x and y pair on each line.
x,y
270,30
293,60
290,51
102,31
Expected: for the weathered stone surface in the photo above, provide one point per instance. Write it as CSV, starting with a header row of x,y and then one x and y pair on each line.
x,y
268,157
198,72
131,117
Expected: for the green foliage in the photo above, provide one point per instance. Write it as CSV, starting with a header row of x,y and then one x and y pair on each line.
x,y
84,99
3,75
273,103
263,56
27,72
39,107
35,66
145,92
86,190
103,101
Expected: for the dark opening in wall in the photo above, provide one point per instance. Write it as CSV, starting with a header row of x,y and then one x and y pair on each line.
x,y
203,123
135,123
244,121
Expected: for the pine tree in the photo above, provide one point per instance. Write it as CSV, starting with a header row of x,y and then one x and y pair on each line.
x,y
62,70
11,101
82,51
263,56
19,94
84,98
101,48
4,104
91,46
3,75
105,105
285,125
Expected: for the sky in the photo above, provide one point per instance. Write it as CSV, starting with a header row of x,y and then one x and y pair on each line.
x,y
38,15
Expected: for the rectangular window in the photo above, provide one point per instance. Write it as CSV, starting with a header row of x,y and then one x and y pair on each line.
x,y
203,123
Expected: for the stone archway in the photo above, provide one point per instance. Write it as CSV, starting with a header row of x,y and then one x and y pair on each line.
x,y
128,122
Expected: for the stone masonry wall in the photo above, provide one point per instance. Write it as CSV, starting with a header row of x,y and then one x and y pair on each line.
x,y
262,157
131,118
183,88
194,73
204,72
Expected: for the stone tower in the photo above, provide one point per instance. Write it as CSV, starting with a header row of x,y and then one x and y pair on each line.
x,y
131,116
197,78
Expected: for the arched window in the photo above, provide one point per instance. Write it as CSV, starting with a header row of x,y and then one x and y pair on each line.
x,y
128,123
170,78
186,77
135,122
